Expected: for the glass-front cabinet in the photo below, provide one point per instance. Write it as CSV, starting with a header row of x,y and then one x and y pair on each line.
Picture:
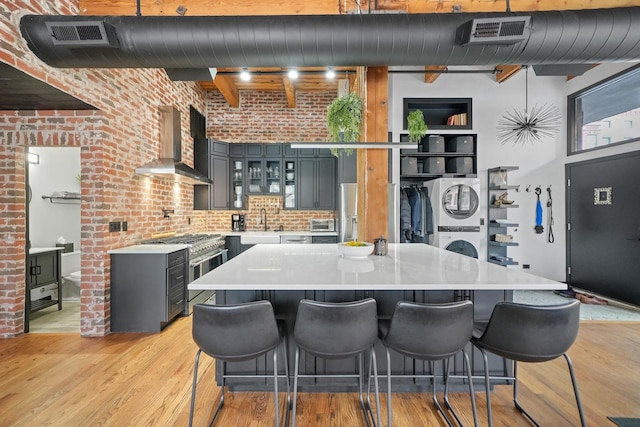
x,y
290,184
264,176
237,183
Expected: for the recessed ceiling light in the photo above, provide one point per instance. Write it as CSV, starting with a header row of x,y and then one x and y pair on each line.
x,y
293,74
245,76
330,73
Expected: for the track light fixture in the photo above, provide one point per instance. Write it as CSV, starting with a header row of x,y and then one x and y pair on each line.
x,y
330,74
245,76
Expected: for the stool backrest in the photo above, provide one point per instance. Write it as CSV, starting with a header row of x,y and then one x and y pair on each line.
x,y
336,330
430,331
235,332
531,333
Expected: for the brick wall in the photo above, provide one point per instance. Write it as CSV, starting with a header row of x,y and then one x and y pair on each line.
x,y
121,135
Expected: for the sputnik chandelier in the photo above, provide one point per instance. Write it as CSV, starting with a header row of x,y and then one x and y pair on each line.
x,y
522,127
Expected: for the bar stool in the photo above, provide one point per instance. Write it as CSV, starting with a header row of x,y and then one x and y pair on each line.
x,y
338,331
430,332
529,333
235,333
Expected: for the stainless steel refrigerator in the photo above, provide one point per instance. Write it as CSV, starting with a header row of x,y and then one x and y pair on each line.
x,y
348,213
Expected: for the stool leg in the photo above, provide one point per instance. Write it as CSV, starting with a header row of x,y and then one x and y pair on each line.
x,y
193,387
275,387
295,388
285,350
388,387
487,386
435,397
374,363
361,390
583,421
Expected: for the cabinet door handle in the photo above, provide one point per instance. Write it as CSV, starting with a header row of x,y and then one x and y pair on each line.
x,y
32,271
38,269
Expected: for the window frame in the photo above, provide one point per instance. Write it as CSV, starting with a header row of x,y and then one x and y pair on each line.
x,y
572,101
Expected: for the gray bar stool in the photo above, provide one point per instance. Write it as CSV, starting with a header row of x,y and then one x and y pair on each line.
x,y
235,333
529,333
338,331
430,332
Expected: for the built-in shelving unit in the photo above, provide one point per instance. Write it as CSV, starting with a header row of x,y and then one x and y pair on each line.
x,y
444,151
498,237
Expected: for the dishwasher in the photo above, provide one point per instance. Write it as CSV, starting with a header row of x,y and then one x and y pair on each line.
x,y
302,240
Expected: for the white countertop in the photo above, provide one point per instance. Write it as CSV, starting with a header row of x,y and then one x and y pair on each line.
x,y
407,266
34,251
148,249
279,233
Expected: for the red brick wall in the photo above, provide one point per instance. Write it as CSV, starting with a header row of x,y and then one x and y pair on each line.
x,y
265,117
122,135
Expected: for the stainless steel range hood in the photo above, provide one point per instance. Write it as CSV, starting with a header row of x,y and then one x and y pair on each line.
x,y
169,165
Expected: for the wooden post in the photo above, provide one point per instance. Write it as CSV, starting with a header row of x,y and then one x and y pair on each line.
x,y
373,165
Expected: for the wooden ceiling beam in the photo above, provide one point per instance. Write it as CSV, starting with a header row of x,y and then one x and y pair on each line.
x,y
228,89
506,72
431,77
328,7
290,91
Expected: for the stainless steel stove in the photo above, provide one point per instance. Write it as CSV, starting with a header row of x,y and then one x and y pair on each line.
x,y
206,252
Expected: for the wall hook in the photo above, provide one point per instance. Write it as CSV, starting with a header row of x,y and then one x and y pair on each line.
x,y
528,189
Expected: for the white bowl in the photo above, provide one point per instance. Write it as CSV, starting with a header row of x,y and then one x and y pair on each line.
x,y
355,251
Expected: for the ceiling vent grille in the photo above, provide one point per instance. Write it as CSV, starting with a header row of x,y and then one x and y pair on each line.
x,y
82,34
507,30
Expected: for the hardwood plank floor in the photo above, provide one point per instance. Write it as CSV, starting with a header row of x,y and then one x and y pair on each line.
x,y
145,380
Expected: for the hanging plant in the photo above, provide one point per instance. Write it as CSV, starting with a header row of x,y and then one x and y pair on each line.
x,y
344,121
416,126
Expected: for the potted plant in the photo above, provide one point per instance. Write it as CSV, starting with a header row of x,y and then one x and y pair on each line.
x,y
416,126
344,120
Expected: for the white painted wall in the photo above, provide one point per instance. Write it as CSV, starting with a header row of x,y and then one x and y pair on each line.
x,y
541,164
56,171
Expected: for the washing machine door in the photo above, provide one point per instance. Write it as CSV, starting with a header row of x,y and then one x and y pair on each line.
x,y
460,201
462,247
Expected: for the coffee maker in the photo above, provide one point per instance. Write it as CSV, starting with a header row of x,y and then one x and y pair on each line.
x,y
237,222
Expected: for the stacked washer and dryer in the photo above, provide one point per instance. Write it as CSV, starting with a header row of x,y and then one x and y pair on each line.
x,y
456,214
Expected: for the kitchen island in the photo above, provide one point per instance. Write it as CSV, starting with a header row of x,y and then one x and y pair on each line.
x,y
284,274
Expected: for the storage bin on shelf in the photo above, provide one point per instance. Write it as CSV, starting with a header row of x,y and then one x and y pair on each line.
x,y
459,165
460,144
434,165
433,144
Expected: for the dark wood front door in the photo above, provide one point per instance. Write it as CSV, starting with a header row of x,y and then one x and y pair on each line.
x,y
603,240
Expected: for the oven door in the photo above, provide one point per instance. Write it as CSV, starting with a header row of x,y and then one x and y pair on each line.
x,y
200,267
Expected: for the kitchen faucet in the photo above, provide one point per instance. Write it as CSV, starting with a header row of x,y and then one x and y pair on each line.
x,y
263,211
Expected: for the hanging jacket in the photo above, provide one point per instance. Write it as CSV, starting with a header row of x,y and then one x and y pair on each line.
x,y
406,232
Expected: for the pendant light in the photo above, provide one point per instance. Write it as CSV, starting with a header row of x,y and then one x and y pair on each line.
x,y
522,127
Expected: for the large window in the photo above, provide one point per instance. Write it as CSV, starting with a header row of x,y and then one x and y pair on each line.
x,y
605,113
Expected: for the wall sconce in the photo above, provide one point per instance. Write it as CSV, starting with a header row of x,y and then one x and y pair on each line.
x,y
33,158
167,212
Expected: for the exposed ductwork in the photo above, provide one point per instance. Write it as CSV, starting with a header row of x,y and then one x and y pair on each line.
x,y
202,42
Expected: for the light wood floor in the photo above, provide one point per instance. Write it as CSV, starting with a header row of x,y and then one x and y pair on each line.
x,y
145,380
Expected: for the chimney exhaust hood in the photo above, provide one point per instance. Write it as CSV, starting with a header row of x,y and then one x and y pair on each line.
x,y
169,165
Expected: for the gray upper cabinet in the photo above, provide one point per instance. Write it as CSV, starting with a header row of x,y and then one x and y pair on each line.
x,y
317,183
211,157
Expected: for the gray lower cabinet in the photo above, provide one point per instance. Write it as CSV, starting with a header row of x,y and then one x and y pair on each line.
x,y
44,279
148,290
286,303
316,183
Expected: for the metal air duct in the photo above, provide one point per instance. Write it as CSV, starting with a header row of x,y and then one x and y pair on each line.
x,y
556,37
